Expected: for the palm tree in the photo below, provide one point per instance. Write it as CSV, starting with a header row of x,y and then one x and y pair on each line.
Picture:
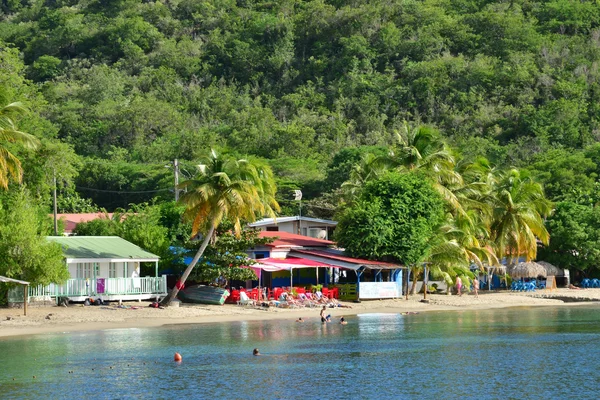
x,y
423,149
236,189
518,211
370,167
10,166
460,242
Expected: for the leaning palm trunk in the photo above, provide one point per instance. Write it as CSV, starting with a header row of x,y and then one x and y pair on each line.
x,y
173,293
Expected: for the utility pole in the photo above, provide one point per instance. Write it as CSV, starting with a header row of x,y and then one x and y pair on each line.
x,y
176,168
55,205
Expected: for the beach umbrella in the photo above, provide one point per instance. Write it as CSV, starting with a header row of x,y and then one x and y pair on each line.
x,y
527,270
551,269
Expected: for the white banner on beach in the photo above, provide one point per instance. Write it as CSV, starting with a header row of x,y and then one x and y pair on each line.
x,y
379,290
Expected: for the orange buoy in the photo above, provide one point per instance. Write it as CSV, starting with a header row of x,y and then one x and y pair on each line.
x,y
177,357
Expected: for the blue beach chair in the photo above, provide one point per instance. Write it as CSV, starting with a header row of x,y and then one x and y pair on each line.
x,y
542,285
585,283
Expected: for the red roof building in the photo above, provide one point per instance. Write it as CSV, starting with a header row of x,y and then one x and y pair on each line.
x,y
71,220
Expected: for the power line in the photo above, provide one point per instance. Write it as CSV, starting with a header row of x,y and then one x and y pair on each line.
x,y
123,191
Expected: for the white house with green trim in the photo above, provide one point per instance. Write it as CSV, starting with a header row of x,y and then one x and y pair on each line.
x,y
106,267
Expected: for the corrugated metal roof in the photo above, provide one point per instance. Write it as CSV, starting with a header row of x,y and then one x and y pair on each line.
x,y
101,247
10,280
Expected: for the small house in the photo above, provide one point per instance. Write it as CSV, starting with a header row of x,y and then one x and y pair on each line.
x,y
105,267
305,226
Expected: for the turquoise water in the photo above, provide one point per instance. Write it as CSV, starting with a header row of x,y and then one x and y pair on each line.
x,y
512,353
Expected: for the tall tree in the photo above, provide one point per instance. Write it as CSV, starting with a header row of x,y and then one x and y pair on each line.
x,y
225,188
393,219
518,210
10,166
24,250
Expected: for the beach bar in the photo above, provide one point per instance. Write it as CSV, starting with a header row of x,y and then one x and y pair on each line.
x,y
294,259
385,278
105,267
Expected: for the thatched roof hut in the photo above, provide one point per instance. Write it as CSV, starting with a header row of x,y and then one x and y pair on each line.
x,y
527,270
551,269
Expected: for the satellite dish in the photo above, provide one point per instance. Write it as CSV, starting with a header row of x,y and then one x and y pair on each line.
x,y
322,234
297,194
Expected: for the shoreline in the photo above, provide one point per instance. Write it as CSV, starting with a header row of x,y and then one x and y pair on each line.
x,y
77,318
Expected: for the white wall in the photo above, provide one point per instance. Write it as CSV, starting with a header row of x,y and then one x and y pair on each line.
x,y
103,270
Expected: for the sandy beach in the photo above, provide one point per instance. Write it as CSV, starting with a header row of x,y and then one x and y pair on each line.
x,y
51,319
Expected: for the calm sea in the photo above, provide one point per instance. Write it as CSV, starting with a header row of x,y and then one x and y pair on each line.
x,y
528,353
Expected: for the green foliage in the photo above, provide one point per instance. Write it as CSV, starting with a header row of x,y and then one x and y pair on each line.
x,y
24,250
122,87
567,176
394,219
295,82
340,167
518,211
227,257
96,227
575,233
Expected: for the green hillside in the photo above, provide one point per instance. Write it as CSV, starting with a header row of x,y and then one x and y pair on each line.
x,y
131,85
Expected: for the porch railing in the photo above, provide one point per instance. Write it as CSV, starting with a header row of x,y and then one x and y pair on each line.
x,y
93,287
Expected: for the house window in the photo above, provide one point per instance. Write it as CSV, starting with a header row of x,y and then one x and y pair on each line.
x,y
84,270
272,229
112,270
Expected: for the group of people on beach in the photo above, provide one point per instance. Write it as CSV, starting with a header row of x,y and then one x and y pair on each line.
x,y
311,299
459,287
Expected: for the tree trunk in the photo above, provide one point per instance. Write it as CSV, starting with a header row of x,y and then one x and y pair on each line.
x,y
173,293
415,274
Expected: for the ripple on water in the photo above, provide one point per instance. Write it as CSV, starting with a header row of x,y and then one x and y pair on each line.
x,y
508,353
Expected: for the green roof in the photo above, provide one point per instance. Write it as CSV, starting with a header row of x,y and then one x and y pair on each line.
x,y
101,247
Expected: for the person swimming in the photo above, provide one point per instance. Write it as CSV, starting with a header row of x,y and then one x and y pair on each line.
x,y
300,320
255,352
343,321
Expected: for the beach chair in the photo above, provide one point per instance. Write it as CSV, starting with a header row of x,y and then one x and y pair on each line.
x,y
235,296
585,283
292,302
245,300
542,285
335,292
595,283
307,300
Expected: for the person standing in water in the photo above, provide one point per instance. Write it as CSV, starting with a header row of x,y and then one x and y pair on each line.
x,y
323,317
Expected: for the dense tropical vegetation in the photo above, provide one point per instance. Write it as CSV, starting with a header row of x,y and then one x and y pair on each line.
x,y
489,102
